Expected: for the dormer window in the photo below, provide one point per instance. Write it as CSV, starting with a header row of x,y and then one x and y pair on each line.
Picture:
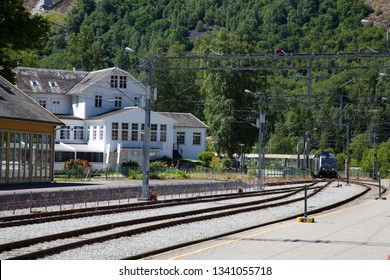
x,y
53,84
34,83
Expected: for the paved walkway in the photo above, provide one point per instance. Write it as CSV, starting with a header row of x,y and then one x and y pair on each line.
x,y
360,232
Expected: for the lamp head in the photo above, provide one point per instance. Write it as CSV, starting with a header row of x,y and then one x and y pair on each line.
x,y
130,50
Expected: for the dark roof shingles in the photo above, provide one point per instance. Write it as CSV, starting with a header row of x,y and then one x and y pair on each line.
x,y
184,119
64,79
14,104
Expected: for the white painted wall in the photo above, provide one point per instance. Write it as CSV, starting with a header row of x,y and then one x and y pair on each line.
x,y
189,150
64,106
137,115
134,90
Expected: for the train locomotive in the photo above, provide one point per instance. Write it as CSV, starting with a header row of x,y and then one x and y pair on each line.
x,y
323,165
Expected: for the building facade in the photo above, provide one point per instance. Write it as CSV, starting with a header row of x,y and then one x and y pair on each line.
x,y
104,120
27,135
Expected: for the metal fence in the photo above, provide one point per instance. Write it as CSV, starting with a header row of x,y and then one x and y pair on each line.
x,y
125,171
82,198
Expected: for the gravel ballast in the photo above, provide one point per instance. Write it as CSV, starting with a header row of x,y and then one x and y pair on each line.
x,y
128,246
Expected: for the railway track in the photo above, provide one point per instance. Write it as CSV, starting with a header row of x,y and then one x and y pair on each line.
x,y
43,217
158,222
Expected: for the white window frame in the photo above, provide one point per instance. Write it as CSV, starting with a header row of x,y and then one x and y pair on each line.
x,y
163,132
98,101
65,133
196,138
94,136
43,102
118,101
137,101
181,138
101,133
56,106
78,133
115,131
125,132
134,131
118,81
153,132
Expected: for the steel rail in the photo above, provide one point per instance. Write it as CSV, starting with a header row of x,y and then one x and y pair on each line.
x,y
27,219
185,244
54,250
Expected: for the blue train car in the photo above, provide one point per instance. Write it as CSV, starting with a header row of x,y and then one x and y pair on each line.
x,y
324,165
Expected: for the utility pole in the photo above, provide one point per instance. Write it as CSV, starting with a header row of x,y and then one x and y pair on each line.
x,y
347,159
374,159
260,125
145,190
146,144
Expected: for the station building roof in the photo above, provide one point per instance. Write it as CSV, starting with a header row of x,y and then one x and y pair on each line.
x,y
18,106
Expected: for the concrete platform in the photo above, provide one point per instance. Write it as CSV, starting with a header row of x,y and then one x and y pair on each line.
x,y
359,232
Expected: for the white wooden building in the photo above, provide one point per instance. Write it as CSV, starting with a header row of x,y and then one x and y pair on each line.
x,y
104,119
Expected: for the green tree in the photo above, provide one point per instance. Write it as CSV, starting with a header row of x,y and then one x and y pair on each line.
x,y
80,11
84,51
178,91
384,159
228,109
359,146
19,31
279,144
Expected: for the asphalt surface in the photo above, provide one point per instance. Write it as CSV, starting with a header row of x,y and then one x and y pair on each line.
x,y
358,232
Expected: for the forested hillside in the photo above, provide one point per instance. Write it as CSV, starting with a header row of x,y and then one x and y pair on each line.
x,y
95,34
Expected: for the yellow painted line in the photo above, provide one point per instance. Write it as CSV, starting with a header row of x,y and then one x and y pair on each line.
x,y
264,232
227,242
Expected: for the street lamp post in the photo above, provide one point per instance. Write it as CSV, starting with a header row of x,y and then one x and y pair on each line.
x,y
260,122
370,22
145,192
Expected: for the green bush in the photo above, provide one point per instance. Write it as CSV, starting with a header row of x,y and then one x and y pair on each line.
x,y
206,158
130,163
158,166
129,167
227,163
135,175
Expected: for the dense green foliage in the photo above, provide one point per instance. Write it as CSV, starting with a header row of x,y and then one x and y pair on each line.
x,y
96,34
19,31
206,158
